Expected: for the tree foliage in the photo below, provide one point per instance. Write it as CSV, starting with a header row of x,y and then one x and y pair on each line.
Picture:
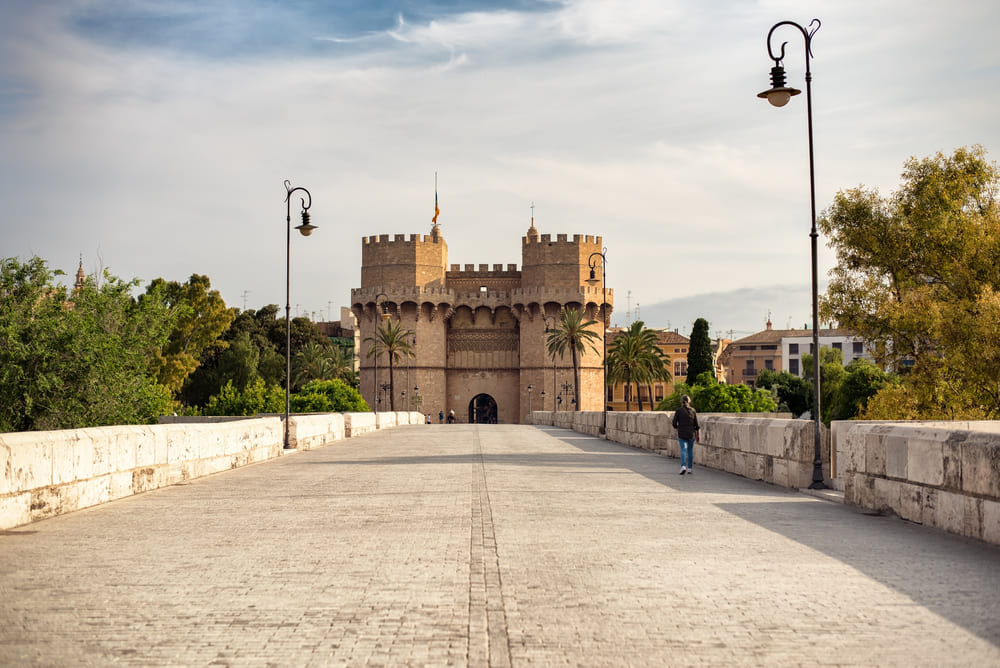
x,y
393,341
79,359
793,393
918,277
708,395
635,357
699,357
328,396
202,317
257,397
574,333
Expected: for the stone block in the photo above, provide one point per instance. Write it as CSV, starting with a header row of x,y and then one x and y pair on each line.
x,y
924,461
63,446
6,471
885,495
929,503
896,457
972,523
852,491
94,491
145,447
981,466
30,461
120,484
181,447
991,521
911,500
875,454
54,500
951,462
15,510
950,512
779,472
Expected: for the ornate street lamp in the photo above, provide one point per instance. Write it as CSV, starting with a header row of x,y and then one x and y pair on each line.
x,y
778,95
592,261
306,228
547,330
530,388
543,400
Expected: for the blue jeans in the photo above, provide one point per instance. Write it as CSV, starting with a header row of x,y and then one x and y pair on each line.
x,y
687,452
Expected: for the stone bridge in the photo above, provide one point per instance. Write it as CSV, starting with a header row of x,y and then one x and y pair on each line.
x,y
480,545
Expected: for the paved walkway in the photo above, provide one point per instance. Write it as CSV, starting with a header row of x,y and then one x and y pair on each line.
x,y
490,545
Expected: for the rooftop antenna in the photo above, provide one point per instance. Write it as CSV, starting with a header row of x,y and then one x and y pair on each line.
x,y
245,293
628,309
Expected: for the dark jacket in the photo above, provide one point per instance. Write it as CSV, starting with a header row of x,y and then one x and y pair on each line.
x,y
686,422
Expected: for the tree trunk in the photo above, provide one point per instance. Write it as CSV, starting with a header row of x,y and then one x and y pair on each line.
x,y
392,391
576,379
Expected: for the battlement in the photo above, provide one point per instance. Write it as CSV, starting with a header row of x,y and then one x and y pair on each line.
x,y
383,239
498,269
562,239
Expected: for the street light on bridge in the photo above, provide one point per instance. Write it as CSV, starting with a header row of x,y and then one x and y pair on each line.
x,y
306,228
592,261
778,95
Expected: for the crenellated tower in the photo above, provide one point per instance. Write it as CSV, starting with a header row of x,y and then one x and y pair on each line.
x,y
480,330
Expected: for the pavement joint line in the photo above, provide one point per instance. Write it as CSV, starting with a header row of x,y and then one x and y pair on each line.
x,y
486,588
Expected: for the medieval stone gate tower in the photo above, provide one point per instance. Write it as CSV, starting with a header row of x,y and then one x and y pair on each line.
x,y
480,332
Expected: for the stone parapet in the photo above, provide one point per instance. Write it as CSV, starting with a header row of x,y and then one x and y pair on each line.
x,y
945,475
43,474
776,450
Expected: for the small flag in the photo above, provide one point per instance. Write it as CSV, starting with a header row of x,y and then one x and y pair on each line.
x,y
437,211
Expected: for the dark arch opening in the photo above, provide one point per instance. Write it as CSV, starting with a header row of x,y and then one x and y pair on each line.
x,y
483,410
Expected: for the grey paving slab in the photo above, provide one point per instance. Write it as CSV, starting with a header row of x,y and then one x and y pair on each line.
x,y
489,545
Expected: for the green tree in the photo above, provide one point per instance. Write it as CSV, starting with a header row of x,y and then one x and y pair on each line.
x,y
699,357
794,393
708,395
575,334
80,359
918,278
395,343
635,357
863,380
257,397
202,318
328,396
831,378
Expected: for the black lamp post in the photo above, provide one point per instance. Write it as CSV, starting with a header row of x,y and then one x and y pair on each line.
x,y
306,229
547,330
543,400
378,316
778,95
530,388
592,261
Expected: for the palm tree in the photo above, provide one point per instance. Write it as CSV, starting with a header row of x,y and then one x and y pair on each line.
x,y
635,357
573,333
313,362
391,339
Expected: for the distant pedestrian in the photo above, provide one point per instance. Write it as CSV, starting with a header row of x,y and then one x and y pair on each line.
x,y
688,433
451,417
428,420
440,417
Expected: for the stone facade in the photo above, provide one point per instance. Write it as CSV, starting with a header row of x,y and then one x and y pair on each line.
x,y
479,330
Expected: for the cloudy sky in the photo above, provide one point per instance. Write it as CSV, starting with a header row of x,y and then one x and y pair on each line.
x,y
153,136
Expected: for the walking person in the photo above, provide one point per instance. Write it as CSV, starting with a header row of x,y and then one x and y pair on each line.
x,y
686,423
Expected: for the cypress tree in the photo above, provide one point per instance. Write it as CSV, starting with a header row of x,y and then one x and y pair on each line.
x,y
699,356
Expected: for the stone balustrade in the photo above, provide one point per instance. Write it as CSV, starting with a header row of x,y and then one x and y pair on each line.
x,y
43,474
941,474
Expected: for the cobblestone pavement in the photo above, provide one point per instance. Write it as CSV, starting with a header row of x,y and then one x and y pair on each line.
x,y
489,545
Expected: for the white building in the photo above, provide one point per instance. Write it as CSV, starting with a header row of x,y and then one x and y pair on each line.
x,y
793,347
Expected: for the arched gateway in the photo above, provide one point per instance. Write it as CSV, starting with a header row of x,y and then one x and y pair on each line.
x,y
483,409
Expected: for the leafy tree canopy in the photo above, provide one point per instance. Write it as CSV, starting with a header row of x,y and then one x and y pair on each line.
x,y
79,359
918,277
708,395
